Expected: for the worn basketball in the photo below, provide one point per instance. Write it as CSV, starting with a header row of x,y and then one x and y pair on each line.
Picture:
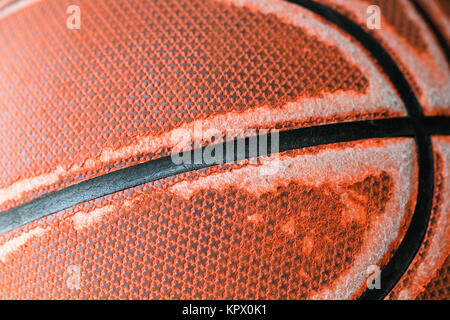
x,y
224,149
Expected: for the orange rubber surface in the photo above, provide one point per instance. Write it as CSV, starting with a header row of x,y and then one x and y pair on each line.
x,y
79,103
411,43
440,11
427,276
227,232
76,104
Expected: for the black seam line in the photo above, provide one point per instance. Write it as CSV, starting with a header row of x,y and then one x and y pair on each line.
x,y
441,39
415,126
411,242
436,125
374,48
164,167
152,170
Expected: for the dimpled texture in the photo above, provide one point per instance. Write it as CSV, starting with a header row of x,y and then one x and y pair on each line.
x,y
445,6
142,69
294,240
395,14
439,287
76,104
440,11
411,43
427,276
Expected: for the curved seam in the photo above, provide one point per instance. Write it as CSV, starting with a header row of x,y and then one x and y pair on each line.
x,y
434,28
415,234
416,125
160,168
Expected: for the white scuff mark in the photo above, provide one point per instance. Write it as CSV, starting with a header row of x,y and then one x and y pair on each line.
x,y
8,7
232,123
82,219
395,156
14,244
328,165
15,190
380,97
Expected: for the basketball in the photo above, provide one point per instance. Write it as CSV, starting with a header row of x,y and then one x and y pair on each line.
x,y
225,149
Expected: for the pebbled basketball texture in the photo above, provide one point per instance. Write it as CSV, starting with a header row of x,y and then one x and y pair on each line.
x,y
88,116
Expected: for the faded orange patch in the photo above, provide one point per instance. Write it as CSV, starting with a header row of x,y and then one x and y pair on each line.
x,y
113,107
255,218
308,245
417,282
289,227
17,243
159,244
354,210
83,220
412,44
